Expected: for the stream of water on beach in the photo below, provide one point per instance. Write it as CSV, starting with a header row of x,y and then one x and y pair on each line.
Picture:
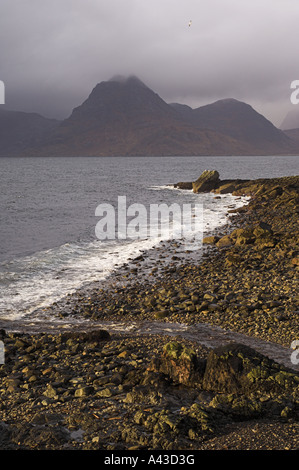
x,y
48,245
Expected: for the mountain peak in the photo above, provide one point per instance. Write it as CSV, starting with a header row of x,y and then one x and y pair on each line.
x,y
122,99
229,101
127,80
123,116
238,120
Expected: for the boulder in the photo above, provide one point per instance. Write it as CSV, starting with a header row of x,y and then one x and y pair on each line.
x,y
262,229
180,364
230,369
226,188
5,436
264,236
208,181
237,368
233,259
245,237
228,366
225,242
211,240
87,337
83,391
272,193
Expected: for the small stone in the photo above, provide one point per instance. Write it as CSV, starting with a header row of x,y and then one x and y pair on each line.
x,y
161,314
225,241
83,391
105,393
50,392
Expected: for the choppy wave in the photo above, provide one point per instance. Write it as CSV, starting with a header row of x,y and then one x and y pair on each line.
x,y
43,278
38,280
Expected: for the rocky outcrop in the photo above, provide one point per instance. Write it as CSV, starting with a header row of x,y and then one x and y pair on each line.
x,y
229,186
207,181
261,235
180,364
233,369
236,368
183,185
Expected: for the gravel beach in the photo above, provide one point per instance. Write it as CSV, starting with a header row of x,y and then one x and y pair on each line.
x,y
100,389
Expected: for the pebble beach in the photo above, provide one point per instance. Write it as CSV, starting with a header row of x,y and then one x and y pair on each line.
x,y
102,389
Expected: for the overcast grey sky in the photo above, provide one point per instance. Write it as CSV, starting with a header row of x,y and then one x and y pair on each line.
x,y
53,52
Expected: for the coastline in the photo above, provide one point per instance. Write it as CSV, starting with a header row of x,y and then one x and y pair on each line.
x,y
102,386
217,284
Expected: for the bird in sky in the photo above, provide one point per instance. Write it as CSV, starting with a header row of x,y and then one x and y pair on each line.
x,y
190,22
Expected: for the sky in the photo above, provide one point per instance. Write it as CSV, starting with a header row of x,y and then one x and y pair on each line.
x,y
54,52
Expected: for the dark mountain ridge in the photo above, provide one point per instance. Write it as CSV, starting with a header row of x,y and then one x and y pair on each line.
x,y
123,116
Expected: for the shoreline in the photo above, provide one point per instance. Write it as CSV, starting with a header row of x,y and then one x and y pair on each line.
x,y
64,276
224,263
103,386
143,269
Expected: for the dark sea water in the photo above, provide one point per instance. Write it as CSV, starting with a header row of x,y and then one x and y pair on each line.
x,y
48,244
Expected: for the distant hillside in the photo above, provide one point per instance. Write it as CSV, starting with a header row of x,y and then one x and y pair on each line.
x,y
240,121
20,131
123,116
293,134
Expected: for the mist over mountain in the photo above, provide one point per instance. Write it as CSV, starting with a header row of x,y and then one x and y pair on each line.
x,y
291,120
122,116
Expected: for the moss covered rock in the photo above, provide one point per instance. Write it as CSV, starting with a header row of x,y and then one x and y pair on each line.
x,y
236,368
207,181
181,364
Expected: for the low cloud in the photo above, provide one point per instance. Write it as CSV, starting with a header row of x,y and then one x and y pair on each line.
x,y
54,52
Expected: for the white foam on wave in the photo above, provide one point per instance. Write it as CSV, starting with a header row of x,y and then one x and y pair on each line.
x,y
50,275
38,280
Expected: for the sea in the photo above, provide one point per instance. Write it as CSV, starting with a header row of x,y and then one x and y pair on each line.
x,y
49,212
